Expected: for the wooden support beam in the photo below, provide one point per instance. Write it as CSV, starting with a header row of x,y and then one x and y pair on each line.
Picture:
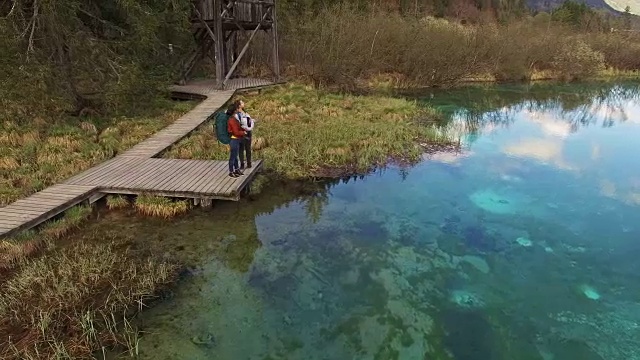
x,y
246,46
204,23
217,7
275,50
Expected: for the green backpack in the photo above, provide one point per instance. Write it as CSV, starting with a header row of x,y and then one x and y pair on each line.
x,y
222,134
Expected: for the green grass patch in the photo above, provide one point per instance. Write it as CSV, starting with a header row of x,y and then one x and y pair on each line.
x,y
310,132
42,153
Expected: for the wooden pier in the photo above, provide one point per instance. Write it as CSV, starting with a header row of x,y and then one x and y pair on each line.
x,y
197,179
137,171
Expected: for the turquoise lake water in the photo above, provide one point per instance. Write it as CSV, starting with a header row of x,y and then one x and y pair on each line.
x,y
524,245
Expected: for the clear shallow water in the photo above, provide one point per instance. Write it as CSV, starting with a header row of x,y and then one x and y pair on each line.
x,y
523,246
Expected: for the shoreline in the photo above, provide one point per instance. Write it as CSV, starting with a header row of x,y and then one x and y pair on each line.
x,y
539,77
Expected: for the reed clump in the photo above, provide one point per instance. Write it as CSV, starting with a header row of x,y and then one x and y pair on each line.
x,y
115,202
159,206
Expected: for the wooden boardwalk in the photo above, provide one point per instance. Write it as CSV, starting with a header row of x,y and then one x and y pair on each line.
x,y
29,212
201,179
136,171
181,128
199,88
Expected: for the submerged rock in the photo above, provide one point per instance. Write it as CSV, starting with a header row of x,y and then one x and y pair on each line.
x,y
523,241
466,299
207,340
494,202
590,292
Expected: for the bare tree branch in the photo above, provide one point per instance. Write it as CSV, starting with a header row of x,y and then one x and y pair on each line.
x,y
34,21
13,8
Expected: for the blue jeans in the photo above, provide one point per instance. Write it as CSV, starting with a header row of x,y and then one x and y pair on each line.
x,y
233,154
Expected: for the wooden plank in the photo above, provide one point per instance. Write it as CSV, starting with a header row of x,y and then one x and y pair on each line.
x,y
31,212
209,174
54,194
141,171
199,171
36,202
10,220
33,201
166,179
228,180
20,218
146,170
10,228
160,173
223,182
22,210
177,181
245,180
118,167
51,196
114,165
193,174
248,178
216,179
105,164
220,184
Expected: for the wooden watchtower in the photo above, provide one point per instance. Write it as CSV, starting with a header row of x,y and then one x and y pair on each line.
x,y
217,25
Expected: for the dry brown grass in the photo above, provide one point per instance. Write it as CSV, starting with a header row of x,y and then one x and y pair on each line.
x,y
73,301
39,154
66,299
160,206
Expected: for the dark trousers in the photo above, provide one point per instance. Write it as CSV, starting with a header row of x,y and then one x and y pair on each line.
x,y
234,146
245,146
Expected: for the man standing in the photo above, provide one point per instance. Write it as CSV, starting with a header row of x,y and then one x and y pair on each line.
x,y
247,124
237,136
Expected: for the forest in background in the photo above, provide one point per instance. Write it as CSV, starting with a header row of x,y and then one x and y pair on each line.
x,y
69,57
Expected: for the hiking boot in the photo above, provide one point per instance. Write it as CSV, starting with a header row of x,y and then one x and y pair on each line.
x,y
238,172
233,175
249,166
242,166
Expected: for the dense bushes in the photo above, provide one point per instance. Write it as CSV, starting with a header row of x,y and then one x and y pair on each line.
x,y
65,56
576,59
343,46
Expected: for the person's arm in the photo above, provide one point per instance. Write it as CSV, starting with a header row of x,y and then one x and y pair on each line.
x,y
245,123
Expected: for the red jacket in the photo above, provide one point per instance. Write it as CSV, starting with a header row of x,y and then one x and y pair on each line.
x,y
233,127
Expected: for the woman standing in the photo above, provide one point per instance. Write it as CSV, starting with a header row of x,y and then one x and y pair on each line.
x,y
247,124
237,135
